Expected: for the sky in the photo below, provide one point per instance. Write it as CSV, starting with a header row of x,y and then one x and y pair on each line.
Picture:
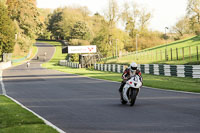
x,y
165,13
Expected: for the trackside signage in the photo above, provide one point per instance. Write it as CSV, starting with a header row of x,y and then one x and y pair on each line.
x,y
82,49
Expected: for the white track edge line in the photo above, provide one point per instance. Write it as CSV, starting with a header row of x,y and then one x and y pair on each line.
x,y
40,117
185,92
2,84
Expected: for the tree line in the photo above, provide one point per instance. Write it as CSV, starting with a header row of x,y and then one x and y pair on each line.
x,y
21,22
20,25
79,27
190,23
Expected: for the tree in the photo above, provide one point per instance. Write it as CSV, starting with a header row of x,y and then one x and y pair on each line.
x,y
26,17
193,12
44,32
80,31
113,16
113,13
53,25
3,1
130,16
7,31
69,17
144,17
182,26
136,20
62,21
102,41
95,23
26,14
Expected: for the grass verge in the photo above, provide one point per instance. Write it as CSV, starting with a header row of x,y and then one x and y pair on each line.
x,y
15,119
157,55
163,82
33,53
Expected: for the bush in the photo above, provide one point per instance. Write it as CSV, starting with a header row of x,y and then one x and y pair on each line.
x,y
75,57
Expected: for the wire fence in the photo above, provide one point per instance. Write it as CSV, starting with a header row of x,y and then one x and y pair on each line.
x,y
189,53
168,54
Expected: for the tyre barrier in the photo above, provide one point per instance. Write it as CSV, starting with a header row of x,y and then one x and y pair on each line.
x,y
68,64
156,69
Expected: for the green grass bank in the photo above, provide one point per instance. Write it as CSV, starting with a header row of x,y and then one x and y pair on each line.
x,y
15,119
176,53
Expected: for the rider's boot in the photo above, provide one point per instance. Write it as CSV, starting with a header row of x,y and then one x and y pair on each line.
x,y
121,87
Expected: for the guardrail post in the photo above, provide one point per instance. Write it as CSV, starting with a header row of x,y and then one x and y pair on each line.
x,y
161,55
171,54
190,52
156,55
197,53
176,53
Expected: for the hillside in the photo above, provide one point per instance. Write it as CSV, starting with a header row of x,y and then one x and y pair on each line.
x,y
178,52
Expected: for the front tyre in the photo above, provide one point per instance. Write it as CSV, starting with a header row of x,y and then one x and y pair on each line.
x,y
133,95
122,99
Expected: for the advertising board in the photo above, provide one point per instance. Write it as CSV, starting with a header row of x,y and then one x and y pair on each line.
x,y
82,49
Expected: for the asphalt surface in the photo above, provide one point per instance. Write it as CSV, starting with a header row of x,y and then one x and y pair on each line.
x,y
82,105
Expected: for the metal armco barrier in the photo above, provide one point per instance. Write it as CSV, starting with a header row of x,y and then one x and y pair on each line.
x,y
156,69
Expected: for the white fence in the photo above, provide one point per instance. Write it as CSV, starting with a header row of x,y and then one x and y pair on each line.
x,y
69,64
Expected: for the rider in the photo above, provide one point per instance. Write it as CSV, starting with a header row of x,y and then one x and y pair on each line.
x,y
129,72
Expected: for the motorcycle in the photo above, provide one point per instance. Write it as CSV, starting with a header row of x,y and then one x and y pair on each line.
x,y
131,90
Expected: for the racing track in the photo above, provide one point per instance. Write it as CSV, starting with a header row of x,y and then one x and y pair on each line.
x,y
82,105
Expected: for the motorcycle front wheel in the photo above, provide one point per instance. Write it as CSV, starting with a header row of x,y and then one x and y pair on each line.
x,y
122,99
132,95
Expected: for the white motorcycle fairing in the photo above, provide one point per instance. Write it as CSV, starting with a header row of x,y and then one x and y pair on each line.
x,y
133,82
